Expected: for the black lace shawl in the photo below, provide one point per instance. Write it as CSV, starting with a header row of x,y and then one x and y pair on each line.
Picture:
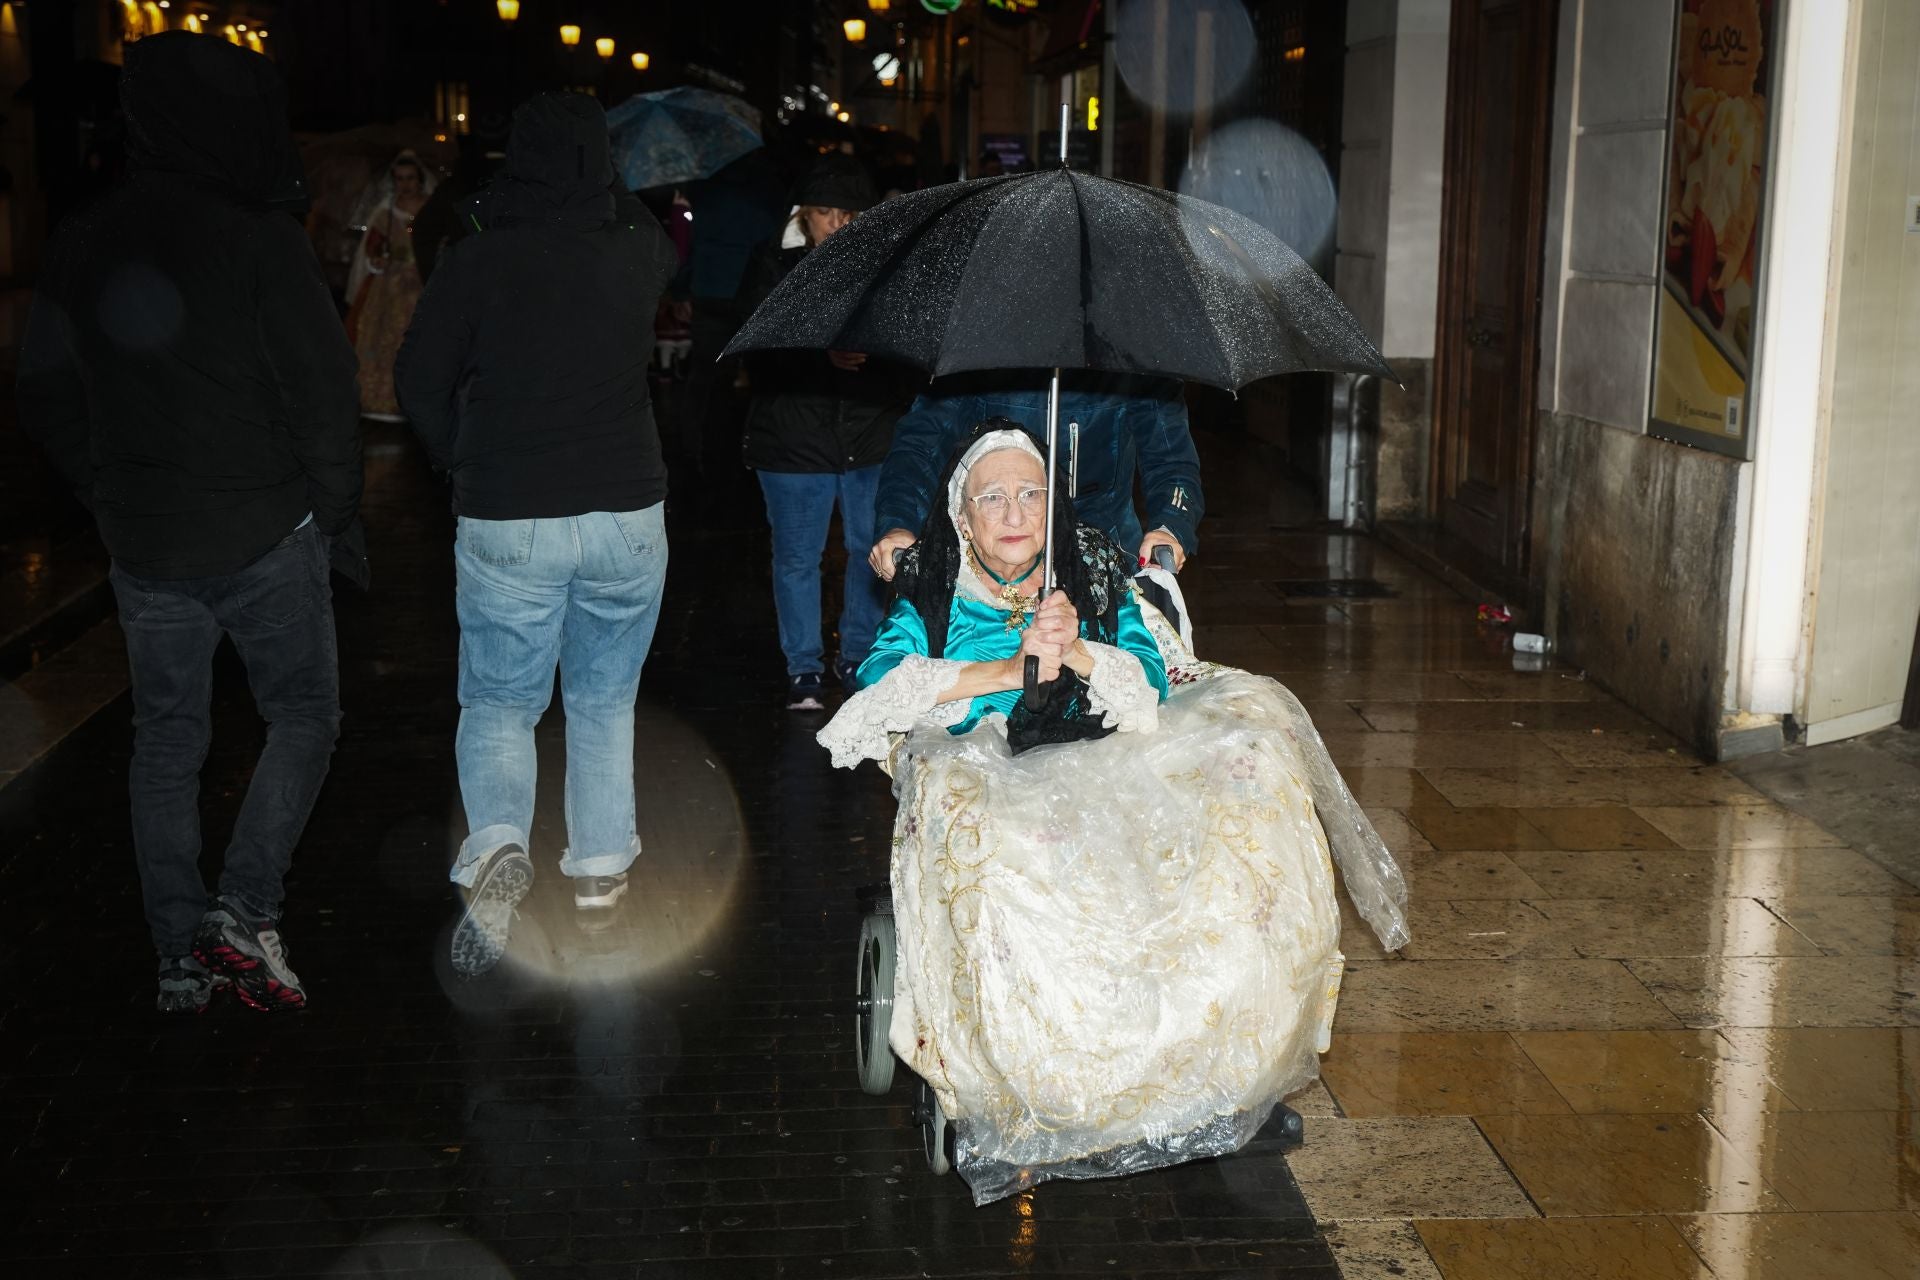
x,y
1094,573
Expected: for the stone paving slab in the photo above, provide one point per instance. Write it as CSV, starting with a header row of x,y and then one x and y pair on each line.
x,y
1865,791
41,708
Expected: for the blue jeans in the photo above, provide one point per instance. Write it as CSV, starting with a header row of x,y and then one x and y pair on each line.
x,y
580,593
800,507
279,612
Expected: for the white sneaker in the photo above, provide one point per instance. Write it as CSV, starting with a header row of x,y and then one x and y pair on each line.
x,y
597,893
481,938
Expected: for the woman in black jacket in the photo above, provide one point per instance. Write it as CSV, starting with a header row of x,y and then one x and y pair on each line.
x,y
818,430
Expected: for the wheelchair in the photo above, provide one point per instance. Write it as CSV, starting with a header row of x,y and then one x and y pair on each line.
x,y
876,958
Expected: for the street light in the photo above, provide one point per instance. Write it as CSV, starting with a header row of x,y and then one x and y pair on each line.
x,y
604,46
569,35
509,10
856,29
845,117
879,6
641,62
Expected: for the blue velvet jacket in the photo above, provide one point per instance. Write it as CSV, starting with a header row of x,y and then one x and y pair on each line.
x,y
1126,424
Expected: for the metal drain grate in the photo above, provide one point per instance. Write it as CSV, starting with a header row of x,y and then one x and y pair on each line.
x,y
1344,588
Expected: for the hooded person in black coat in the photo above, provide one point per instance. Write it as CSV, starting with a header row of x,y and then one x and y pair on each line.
x,y
183,363
525,369
524,373
184,366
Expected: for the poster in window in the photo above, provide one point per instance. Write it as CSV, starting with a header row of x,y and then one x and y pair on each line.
x,y
1724,59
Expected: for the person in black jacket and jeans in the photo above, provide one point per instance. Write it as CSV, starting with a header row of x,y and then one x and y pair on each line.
x,y
817,431
184,367
524,373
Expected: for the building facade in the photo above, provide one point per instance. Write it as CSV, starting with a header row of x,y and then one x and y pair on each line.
x,y
1704,492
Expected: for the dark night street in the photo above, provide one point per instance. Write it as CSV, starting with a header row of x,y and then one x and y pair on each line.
x,y
1526,386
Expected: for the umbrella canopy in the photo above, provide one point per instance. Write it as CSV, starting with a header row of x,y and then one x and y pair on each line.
x,y
1065,270
678,135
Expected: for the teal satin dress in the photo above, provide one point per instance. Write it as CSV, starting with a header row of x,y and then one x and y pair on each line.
x,y
978,632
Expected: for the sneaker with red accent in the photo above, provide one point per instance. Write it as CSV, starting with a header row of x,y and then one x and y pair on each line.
x,y
185,985
249,953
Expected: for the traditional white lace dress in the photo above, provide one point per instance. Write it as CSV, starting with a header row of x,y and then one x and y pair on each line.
x,y
1121,953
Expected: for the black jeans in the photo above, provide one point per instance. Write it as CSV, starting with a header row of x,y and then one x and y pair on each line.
x,y
279,611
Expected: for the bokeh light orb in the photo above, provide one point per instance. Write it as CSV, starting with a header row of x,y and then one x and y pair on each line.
x,y
1268,173
693,847
1183,57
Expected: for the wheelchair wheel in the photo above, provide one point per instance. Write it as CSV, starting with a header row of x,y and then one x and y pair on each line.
x,y
936,1133
873,1003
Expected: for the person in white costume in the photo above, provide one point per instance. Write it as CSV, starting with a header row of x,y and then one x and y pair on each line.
x,y
1119,949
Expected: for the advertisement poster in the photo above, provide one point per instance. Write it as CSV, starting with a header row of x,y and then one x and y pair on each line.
x,y
1716,195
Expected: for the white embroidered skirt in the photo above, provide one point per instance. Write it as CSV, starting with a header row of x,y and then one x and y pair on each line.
x,y
1120,954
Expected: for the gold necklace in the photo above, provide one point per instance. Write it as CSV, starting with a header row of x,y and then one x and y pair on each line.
x,y
1017,604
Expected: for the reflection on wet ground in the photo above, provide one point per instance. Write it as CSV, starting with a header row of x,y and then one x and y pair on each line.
x,y
1653,1022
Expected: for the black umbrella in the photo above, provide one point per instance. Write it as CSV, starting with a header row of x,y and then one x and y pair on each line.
x,y
1063,270
1059,269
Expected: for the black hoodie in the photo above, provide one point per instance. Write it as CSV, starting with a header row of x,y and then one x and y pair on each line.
x,y
183,363
524,371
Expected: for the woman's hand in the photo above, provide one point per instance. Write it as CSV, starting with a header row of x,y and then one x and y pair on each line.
x,y
1052,635
1162,538
880,559
1057,619
1043,639
1060,623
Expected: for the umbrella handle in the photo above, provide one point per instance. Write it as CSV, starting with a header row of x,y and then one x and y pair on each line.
x,y
1033,680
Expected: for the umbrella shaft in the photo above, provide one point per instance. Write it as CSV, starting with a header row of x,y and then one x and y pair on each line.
x,y
1053,397
1053,441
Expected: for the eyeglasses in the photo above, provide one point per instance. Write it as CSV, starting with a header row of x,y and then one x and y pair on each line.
x,y
994,504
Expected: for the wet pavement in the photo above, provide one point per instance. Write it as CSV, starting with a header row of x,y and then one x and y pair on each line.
x,y
1658,1018
672,1097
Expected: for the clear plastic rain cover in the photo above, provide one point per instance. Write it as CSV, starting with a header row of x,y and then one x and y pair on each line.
x,y
1119,955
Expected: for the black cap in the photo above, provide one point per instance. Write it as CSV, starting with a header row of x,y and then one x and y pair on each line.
x,y
837,182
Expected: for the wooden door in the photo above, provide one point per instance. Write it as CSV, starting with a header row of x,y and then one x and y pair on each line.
x,y
1499,96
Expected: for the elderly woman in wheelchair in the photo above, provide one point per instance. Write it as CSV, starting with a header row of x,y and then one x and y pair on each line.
x,y
1112,937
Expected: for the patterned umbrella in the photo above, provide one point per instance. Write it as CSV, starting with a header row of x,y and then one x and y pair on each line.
x,y
678,135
